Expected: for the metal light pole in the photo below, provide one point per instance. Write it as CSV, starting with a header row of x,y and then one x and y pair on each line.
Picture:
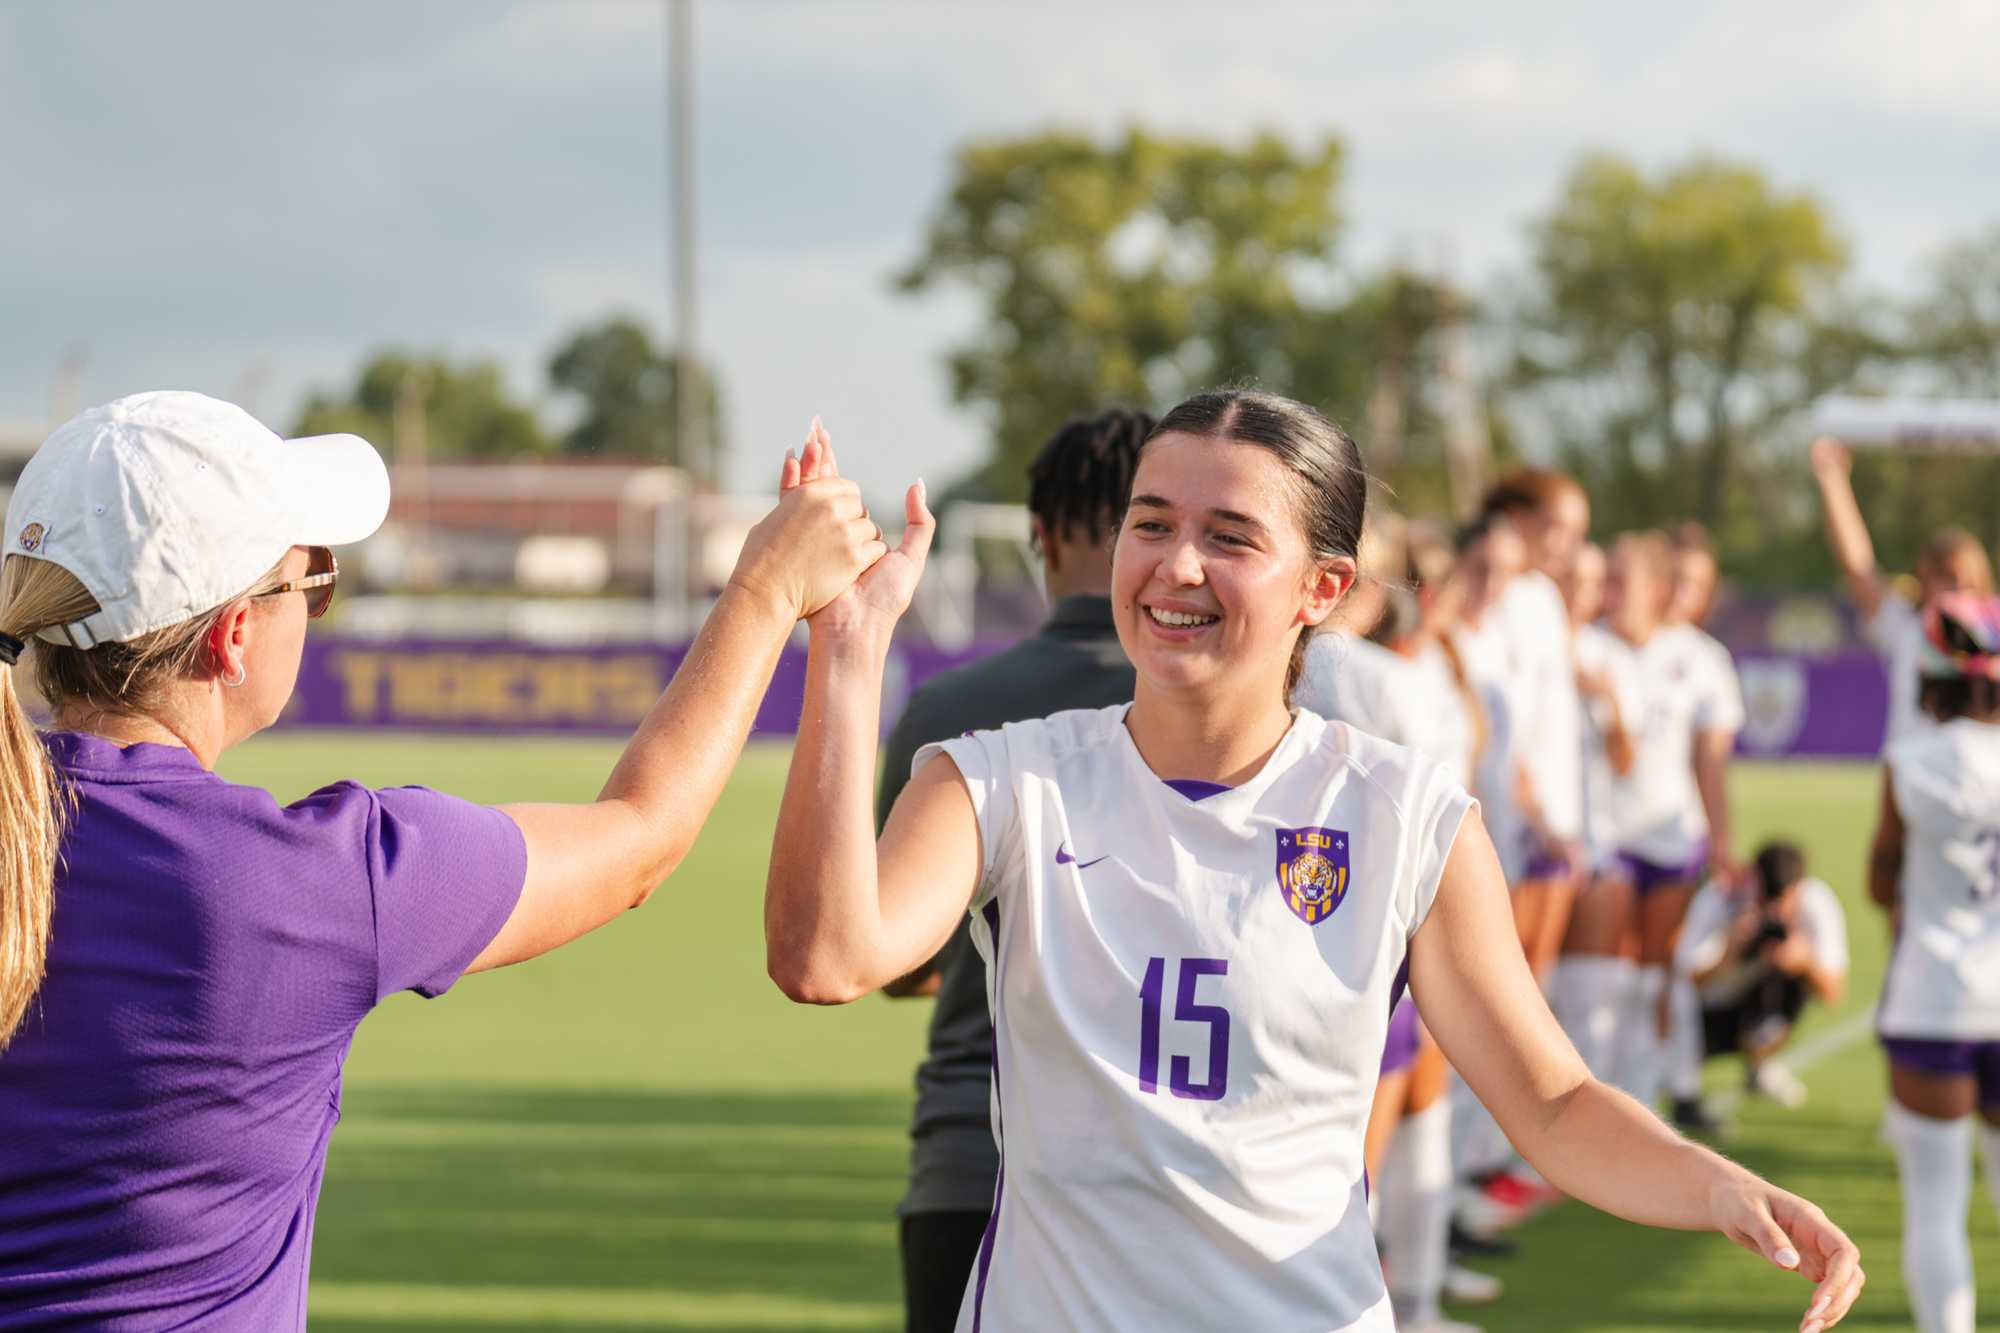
x,y
689,395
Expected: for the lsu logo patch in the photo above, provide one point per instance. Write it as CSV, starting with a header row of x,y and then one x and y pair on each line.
x,y
1312,871
31,537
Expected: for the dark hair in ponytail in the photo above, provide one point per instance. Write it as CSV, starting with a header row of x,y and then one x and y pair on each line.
x,y
1331,490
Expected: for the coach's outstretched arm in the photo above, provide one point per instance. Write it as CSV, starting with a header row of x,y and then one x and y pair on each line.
x,y
588,863
842,915
1592,1141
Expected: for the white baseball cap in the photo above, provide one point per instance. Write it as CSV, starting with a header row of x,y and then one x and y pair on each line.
x,y
165,505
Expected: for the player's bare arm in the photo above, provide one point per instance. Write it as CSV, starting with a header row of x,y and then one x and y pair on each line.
x,y
588,863
1885,851
1846,529
1590,1140
842,917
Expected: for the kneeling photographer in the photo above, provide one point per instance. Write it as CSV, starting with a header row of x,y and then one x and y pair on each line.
x,y
1756,954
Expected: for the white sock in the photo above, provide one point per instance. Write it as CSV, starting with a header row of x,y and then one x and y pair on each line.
x,y
1989,1148
1934,1159
1684,1040
1641,1053
1416,1210
1589,992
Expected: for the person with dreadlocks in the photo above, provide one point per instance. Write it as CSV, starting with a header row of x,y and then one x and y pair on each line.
x,y
1077,489
1935,868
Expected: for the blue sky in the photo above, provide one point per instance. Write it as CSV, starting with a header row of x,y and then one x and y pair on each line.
x,y
246,198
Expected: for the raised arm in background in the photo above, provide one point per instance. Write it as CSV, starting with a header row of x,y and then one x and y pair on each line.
x,y
1846,530
588,863
1592,1141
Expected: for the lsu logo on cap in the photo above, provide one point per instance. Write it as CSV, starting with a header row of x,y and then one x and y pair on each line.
x,y
31,537
1312,871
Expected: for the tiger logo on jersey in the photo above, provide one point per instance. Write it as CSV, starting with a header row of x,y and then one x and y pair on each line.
x,y
1312,871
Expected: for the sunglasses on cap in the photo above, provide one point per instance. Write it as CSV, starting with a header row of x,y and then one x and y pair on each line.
x,y
322,572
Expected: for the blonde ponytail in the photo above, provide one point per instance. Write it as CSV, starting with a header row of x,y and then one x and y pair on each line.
x,y
34,594
129,678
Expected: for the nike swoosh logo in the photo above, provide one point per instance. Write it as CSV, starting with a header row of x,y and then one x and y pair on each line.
x,y
1063,858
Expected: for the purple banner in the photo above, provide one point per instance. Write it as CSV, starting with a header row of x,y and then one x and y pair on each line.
x,y
1808,706
603,689
1833,707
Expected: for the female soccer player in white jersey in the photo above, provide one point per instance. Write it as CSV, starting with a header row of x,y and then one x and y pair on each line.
x,y
1195,909
1658,819
1936,866
1951,561
1357,672
1705,666
1552,514
1595,980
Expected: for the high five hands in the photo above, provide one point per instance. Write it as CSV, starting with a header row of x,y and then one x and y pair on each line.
x,y
878,597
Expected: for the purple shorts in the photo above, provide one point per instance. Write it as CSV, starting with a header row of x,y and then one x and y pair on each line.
x,y
1647,876
1548,865
1976,1059
1399,1052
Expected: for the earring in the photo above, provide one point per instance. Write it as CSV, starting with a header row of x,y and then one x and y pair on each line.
x,y
242,674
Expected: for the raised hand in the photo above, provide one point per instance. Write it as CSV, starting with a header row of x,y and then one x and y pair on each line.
x,y
1829,457
881,595
811,548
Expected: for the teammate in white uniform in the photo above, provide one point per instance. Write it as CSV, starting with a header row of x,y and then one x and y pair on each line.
x,y
1552,514
1490,555
1718,717
1191,984
1952,561
1936,867
1356,673
1596,980
1657,816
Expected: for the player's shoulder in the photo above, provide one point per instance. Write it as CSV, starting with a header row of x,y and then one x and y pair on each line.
x,y
1921,749
1060,735
1597,638
1378,767
1819,899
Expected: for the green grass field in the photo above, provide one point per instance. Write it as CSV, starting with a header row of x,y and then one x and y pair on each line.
x,y
640,1132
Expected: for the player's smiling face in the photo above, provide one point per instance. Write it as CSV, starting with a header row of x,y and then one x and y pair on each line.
x,y
1212,576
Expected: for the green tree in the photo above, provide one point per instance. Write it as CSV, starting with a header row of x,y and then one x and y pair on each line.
x,y
630,391
1955,325
1675,318
1136,270
466,410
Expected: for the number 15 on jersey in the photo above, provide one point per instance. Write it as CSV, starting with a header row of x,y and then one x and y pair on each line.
x,y
1187,1009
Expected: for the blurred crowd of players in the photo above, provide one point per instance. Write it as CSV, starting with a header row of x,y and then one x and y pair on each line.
x,y
1571,687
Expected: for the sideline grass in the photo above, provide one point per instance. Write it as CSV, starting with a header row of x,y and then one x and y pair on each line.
x,y
639,1132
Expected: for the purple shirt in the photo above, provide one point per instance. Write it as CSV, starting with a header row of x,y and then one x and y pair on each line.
x,y
165,1109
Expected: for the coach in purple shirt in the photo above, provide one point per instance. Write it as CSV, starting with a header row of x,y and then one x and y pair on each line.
x,y
183,961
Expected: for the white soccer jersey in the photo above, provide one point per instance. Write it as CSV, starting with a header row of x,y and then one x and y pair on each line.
x,y
1551,733
1413,701
1897,631
1190,997
1498,676
1349,679
1718,689
1447,732
1656,810
1944,976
